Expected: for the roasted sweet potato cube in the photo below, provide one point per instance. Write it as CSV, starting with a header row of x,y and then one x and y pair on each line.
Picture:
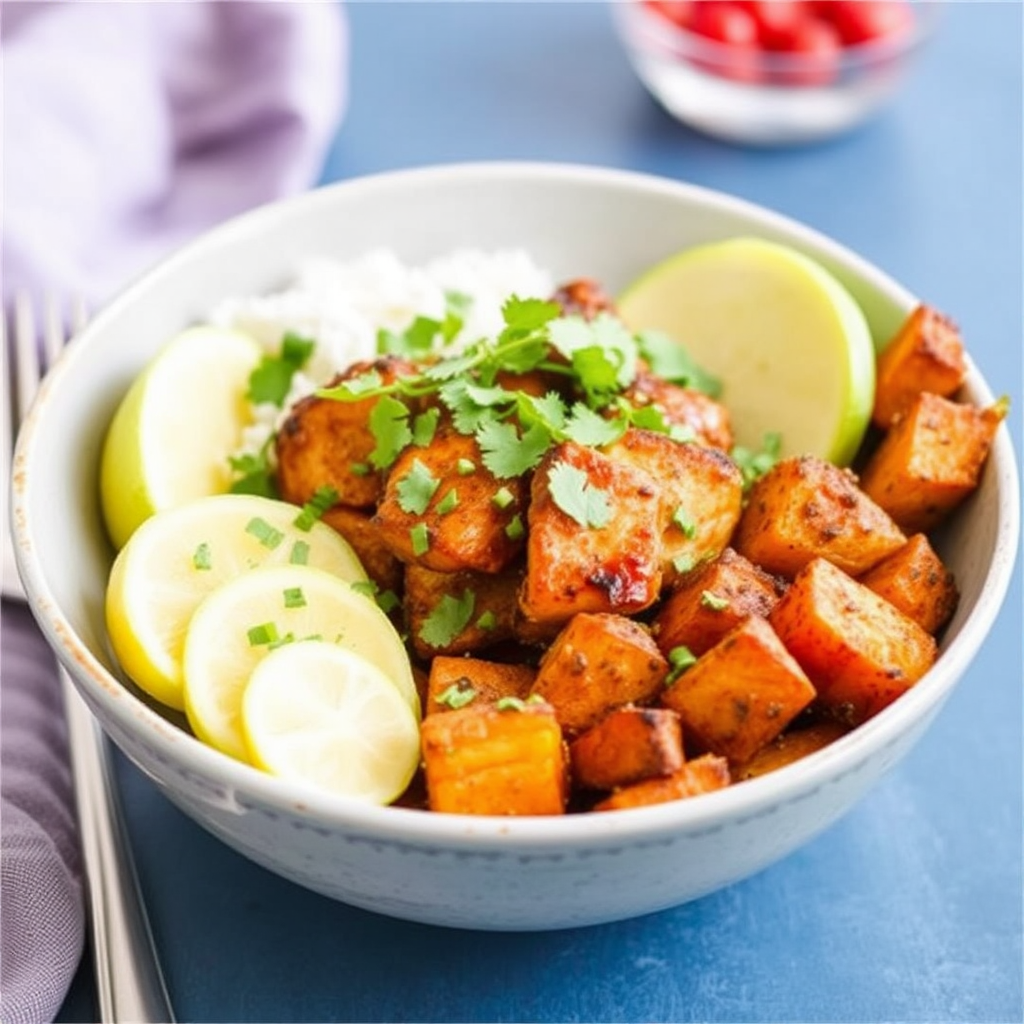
x,y
593,538
628,745
742,693
915,580
457,682
324,442
804,508
703,774
711,601
701,496
860,652
356,526
927,354
485,759
790,746
459,612
437,513
597,663
930,460
684,407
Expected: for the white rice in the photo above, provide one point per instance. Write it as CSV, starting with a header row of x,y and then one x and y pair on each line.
x,y
342,305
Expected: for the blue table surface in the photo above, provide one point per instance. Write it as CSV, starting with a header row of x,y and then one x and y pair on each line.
x,y
910,907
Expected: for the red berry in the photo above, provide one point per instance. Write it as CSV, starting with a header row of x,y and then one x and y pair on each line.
x,y
862,21
775,19
816,49
728,24
679,12
725,22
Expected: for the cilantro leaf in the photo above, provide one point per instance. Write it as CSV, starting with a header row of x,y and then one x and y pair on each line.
x,y
257,475
424,426
573,493
669,359
416,488
448,619
506,453
416,340
389,424
271,380
590,428
754,464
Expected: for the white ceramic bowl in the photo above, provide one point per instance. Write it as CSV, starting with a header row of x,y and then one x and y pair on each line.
x,y
490,873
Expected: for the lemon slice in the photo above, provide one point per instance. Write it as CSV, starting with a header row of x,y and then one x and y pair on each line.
x,y
790,344
241,622
171,436
177,557
317,713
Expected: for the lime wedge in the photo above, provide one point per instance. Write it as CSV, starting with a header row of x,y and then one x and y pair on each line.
x,y
245,619
175,558
171,436
316,713
790,344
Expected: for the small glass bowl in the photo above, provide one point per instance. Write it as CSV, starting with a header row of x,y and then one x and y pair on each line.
x,y
767,99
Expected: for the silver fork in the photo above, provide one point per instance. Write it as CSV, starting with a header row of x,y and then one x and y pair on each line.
x,y
129,982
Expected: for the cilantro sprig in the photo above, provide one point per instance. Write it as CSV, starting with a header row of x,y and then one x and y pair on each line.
x,y
598,358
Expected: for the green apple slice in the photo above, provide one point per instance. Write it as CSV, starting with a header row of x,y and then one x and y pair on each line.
x,y
789,343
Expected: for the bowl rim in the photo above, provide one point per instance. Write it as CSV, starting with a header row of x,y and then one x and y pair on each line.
x,y
752,798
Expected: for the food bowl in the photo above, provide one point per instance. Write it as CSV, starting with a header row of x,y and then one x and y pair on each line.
x,y
457,870
766,93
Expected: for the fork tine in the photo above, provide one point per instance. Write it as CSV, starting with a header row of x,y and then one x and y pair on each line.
x,y
26,355
53,329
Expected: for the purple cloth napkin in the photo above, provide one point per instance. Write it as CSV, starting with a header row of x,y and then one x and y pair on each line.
x,y
127,129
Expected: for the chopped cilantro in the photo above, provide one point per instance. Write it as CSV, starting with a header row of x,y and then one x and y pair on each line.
x,y
754,464
576,497
272,378
448,619
360,468
389,423
416,488
465,467
487,621
201,558
387,600
507,453
683,563
256,472
424,426
669,359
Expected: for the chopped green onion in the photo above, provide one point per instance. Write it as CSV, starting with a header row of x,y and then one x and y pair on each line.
x,y
323,498
201,558
465,467
269,536
515,528
360,469
458,695
487,621
448,503
265,633
713,601
502,498
420,538
294,598
300,553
